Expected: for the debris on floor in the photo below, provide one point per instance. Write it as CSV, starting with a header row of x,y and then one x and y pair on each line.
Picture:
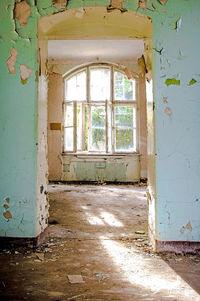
x,y
98,251
75,279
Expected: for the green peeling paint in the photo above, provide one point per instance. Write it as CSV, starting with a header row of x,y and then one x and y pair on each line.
x,y
192,82
172,81
176,188
24,81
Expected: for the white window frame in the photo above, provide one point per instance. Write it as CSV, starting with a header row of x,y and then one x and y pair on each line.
x,y
89,103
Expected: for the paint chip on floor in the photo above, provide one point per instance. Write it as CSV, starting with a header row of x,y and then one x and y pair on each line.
x,y
75,279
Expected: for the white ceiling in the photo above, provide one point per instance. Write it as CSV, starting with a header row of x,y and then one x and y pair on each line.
x,y
92,50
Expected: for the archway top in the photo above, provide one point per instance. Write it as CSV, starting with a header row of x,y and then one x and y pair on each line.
x,y
95,23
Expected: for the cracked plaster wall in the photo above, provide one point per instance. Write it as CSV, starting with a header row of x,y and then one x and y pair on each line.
x,y
176,71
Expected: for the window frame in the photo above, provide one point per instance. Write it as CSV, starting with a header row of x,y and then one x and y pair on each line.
x,y
107,103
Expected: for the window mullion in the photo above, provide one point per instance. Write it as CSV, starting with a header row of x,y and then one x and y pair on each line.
x,y
106,111
83,127
112,110
88,108
75,126
89,128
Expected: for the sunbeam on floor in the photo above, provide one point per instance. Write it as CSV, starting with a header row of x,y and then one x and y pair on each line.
x,y
97,235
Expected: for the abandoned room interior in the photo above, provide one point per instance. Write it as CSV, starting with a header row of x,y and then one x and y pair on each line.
x,y
100,161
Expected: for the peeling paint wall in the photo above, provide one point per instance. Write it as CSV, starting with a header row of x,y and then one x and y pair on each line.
x,y
177,124
177,121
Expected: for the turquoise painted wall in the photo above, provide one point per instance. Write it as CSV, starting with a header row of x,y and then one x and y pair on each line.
x,y
18,124
177,121
176,46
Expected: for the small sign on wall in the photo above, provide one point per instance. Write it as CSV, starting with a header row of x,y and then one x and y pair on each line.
x,y
55,126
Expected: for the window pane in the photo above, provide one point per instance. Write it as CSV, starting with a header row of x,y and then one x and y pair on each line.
x,y
125,121
124,139
98,139
69,116
99,84
68,139
124,89
124,116
75,87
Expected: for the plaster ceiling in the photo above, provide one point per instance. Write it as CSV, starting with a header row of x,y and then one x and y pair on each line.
x,y
94,50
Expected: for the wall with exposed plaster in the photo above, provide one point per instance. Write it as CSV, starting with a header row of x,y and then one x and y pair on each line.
x,y
176,105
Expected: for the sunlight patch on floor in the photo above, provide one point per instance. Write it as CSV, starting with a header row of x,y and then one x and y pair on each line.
x,y
148,272
110,219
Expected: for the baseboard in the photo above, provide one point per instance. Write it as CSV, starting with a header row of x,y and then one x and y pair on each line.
x,y
30,242
177,247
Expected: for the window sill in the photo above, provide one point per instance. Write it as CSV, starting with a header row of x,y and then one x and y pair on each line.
x,y
99,155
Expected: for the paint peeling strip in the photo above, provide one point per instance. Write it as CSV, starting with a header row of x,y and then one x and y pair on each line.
x,y
162,1
60,4
168,111
129,73
178,24
172,81
192,82
7,214
165,100
188,226
80,13
142,4
54,69
116,4
25,73
11,61
22,12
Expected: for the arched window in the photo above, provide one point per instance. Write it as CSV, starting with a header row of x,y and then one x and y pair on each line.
x,y
100,111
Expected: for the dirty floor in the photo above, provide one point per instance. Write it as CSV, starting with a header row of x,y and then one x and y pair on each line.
x,y
97,238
